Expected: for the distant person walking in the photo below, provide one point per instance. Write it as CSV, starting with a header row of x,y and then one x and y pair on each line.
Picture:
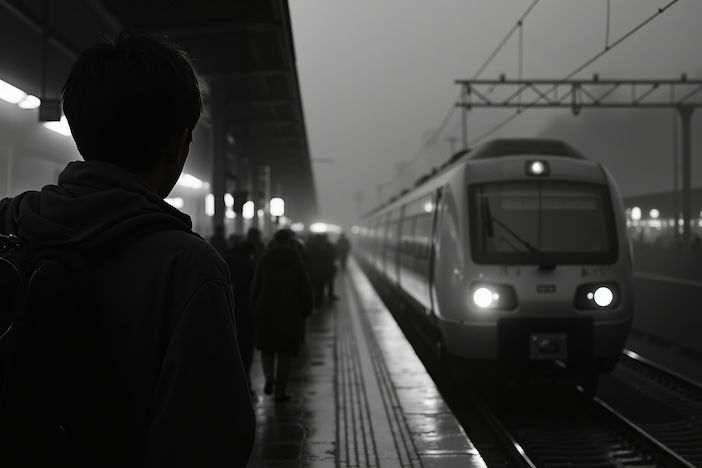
x,y
219,241
321,256
255,240
343,247
329,267
281,296
242,265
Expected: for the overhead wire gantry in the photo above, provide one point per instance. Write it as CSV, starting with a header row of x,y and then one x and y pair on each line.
x,y
683,95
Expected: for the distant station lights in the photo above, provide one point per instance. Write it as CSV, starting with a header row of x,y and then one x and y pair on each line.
x,y
175,202
23,100
277,207
248,210
636,213
321,228
14,95
190,181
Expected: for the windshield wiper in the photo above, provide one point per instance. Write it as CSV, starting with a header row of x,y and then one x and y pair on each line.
x,y
488,220
516,236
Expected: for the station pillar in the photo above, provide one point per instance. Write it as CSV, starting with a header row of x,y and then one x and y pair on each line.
x,y
219,157
685,113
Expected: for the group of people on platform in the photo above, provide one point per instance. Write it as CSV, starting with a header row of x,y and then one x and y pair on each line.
x,y
275,289
127,350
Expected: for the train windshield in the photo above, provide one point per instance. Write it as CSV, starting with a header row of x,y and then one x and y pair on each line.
x,y
542,222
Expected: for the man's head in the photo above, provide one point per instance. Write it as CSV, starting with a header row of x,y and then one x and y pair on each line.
x,y
134,102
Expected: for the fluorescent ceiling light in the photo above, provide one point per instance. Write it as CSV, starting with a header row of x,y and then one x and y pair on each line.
x,y
29,102
59,127
189,181
11,94
248,210
209,205
277,207
176,202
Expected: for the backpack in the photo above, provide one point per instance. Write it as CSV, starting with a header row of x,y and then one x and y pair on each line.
x,y
42,296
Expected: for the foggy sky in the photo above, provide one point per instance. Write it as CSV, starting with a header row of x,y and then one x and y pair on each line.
x,y
377,78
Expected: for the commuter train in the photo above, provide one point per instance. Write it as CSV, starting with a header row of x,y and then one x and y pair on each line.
x,y
512,255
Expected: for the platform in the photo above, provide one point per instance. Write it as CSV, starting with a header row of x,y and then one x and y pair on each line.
x,y
360,396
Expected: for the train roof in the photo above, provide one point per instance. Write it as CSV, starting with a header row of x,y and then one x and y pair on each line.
x,y
493,149
524,146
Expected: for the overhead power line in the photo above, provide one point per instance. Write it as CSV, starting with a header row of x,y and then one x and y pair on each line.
x,y
447,118
577,70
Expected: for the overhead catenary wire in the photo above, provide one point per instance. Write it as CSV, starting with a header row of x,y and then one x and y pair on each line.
x,y
447,118
577,70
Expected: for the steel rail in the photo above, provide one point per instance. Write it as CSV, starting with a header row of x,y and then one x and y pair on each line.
x,y
657,449
634,356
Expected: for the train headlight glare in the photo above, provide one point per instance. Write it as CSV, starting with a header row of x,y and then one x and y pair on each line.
x,y
603,296
493,296
483,297
597,296
537,168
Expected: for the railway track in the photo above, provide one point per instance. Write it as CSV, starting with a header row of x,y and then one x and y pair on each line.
x,y
662,403
558,427
642,416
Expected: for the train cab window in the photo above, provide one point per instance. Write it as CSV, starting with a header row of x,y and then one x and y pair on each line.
x,y
542,222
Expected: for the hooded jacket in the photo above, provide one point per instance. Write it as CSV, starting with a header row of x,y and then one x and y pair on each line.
x,y
281,295
162,318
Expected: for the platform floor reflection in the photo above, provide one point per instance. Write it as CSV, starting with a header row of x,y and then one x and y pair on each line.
x,y
360,396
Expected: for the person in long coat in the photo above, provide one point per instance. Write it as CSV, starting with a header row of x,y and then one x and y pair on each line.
x,y
242,265
281,295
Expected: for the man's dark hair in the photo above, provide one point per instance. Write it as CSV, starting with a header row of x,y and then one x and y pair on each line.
x,y
125,99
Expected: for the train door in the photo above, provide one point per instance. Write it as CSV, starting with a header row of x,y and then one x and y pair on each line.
x,y
391,244
378,242
436,226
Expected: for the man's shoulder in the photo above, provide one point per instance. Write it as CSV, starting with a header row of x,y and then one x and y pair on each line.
x,y
4,206
184,251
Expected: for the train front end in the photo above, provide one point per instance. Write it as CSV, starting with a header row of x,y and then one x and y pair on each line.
x,y
545,269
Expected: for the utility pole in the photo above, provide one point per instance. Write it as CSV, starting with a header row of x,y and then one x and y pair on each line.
x,y
686,112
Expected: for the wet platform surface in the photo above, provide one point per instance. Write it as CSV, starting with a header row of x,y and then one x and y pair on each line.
x,y
360,396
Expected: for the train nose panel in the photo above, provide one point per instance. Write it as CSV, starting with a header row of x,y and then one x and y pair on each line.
x,y
548,346
538,339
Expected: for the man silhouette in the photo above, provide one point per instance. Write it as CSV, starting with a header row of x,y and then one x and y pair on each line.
x,y
165,385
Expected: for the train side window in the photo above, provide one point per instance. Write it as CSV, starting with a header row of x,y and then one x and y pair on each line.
x,y
408,227
423,235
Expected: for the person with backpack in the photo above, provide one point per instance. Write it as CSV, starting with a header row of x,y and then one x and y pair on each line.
x,y
124,350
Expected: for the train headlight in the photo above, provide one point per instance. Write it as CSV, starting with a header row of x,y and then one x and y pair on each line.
x,y
536,168
597,296
493,296
485,297
603,296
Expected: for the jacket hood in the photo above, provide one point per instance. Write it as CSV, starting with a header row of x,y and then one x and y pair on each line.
x,y
94,204
281,255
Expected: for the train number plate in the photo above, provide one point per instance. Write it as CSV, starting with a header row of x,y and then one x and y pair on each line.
x,y
551,346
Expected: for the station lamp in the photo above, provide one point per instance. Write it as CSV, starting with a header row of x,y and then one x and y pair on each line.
x,y
277,207
636,213
247,211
